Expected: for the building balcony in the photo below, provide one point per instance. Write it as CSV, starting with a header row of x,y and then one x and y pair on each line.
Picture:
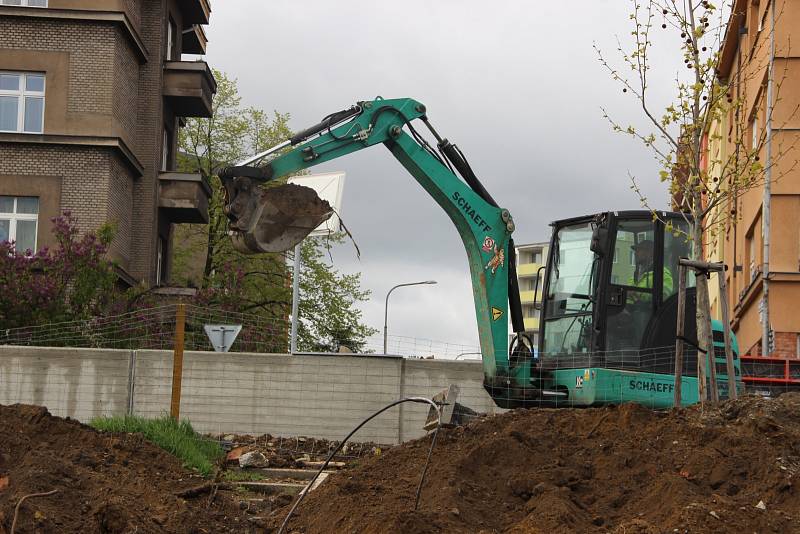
x,y
195,11
531,323
527,296
183,198
194,40
528,269
189,87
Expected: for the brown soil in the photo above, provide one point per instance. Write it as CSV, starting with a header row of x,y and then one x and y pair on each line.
x,y
106,482
286,215
619,469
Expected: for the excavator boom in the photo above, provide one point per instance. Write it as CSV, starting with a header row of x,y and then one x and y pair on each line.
x,y
484,227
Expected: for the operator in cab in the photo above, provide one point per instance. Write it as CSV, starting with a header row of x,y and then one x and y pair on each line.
x,y
643,276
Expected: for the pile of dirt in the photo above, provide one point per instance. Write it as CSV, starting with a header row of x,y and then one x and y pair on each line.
x,y
621,469
105,482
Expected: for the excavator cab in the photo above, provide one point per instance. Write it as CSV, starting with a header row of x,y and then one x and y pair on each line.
x,y
610,305
612,283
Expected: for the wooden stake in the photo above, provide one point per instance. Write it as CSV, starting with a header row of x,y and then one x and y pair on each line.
x,y
177,362
729,368
679,336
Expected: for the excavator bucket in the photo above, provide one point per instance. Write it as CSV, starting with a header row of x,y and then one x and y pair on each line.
x,y
272,219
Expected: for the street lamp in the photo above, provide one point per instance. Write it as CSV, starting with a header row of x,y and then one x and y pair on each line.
x,y
386,309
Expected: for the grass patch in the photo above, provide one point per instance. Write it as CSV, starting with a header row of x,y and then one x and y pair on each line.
x,y
243,476
177,438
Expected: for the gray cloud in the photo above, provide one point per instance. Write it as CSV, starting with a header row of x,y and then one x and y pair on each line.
x,y
515,84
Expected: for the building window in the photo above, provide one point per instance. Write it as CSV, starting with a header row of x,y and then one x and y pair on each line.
x,y
28,3
159,260
166,151
172,39
21,102
19,219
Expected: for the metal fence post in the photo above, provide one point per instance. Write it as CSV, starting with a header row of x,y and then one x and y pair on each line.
x,y
131,381
712,366
679,334
177,361
730,369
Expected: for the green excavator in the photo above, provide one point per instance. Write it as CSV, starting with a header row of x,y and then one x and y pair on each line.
x,y
609,297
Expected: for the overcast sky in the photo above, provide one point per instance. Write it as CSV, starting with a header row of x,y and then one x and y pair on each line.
x,y
514,83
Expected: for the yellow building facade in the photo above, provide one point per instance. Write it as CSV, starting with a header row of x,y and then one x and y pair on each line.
x,y
531,259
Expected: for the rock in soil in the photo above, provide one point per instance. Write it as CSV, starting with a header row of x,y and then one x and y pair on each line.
x,y
616,469
107,483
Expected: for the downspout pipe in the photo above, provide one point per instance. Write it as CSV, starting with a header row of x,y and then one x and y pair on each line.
x,y
765,324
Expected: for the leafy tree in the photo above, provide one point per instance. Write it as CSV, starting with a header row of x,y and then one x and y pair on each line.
x,y
329,319
204,256
262,281
706,186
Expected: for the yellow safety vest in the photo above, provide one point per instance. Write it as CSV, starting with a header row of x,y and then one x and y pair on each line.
x,y
646,282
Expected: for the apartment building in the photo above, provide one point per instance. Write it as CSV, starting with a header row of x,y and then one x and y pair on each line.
x,y
92,94
531,259
763,274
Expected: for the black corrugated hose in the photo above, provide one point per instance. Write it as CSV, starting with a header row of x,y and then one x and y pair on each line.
x,y
420,400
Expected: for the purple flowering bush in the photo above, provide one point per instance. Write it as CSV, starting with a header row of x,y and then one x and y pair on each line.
x,y
69,282
75,284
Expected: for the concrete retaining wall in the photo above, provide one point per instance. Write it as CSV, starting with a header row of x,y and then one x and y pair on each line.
x,y
77,383
307,395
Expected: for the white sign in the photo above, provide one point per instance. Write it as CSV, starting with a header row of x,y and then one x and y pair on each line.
x,y
222,336
329,186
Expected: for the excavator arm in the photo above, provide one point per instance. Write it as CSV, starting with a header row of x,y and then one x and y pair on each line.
x,y
484,227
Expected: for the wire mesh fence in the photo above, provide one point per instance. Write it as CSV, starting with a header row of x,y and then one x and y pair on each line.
x,y
564,378
154,328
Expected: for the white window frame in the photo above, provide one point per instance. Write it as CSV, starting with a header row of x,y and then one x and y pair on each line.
x,y
14,217
21,94
159,259
166,149
171,30
22,3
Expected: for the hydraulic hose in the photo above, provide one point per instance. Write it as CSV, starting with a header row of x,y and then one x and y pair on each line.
x,y
421,400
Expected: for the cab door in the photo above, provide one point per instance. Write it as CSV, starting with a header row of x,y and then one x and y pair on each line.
x,y
634,286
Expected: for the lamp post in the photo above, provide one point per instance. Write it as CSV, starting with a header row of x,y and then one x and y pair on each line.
x,y
386,309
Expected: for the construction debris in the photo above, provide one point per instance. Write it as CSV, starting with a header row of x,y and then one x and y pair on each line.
x,y
299,451
253,459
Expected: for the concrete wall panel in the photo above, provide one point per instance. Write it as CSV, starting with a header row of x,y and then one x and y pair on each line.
x,y
277,394
77,383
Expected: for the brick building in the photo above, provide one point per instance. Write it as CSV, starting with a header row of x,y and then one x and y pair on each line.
x,y
92,93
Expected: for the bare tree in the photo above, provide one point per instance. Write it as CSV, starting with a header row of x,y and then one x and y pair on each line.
x,y
705,110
